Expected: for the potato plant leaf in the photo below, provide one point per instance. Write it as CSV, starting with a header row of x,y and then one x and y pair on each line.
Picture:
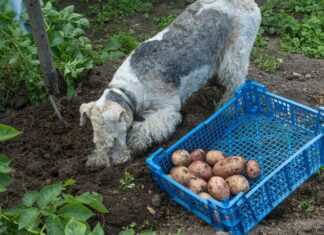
x,y
54,226
8,132
30,198
93,200
74,227
69,182
27,217
76,211
48,194
98,230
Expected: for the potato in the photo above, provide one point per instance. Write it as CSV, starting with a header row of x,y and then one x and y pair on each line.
x,y
214,156
180,158
198,155
252,169
229,166
218,188
197,185
204,195
242,159
237,183
201,170
180,174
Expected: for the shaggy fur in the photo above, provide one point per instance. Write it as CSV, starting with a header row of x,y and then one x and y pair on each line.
x,y
211,37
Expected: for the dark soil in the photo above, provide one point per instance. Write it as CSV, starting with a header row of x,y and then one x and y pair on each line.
x,y
48,152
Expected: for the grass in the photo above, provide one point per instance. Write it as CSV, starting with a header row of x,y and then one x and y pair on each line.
x,y
165,21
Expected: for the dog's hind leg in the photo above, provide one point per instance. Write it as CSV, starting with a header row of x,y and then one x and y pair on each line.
x,y
156,127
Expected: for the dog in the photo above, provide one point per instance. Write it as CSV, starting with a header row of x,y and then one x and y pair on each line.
x,y
141,106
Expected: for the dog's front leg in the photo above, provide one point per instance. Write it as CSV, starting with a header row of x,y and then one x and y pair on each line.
x,y
157,126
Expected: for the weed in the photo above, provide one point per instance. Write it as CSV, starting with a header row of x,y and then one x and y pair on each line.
x,y
118,46
180,231
299,23
110,9
127,182
268,63
130,230
307,205
165,21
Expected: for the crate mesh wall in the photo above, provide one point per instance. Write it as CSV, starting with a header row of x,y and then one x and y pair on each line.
x,y
256,125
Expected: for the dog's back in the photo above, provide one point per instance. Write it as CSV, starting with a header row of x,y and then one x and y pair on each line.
x,y
184,56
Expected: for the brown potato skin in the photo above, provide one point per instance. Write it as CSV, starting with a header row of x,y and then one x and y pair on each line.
x,y
180,174
242,159
218,188
237,184
201,170
229,166
213,156
197,185
204,195
180,158
198,155
252,169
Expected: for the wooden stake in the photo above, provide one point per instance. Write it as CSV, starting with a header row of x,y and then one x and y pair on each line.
x,y
37,24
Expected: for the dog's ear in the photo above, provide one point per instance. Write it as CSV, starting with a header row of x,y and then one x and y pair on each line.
x,y
85,108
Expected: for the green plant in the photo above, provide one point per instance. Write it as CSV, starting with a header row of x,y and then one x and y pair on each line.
x,y
299,23
307,205
72,51
165,21
320,173
268,63
130,230
50,211
127,182
6,133
111,9
119,45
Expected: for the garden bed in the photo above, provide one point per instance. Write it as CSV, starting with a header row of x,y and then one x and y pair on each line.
x,y
47,152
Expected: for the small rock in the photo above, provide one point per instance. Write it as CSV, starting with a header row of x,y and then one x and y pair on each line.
x,y
156,200
308,75
151,210
296,75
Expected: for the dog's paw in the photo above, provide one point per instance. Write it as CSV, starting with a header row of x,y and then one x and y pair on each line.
x,y
119,156
98,160
138,139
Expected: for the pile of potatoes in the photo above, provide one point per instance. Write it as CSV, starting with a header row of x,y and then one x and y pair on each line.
x,y
213,172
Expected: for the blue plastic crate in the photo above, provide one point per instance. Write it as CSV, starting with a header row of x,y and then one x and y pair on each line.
x,y
285,137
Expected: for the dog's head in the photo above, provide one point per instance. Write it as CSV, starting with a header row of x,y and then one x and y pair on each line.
x,y
110,122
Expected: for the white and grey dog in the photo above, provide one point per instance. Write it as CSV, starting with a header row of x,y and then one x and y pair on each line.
x,y
210,38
